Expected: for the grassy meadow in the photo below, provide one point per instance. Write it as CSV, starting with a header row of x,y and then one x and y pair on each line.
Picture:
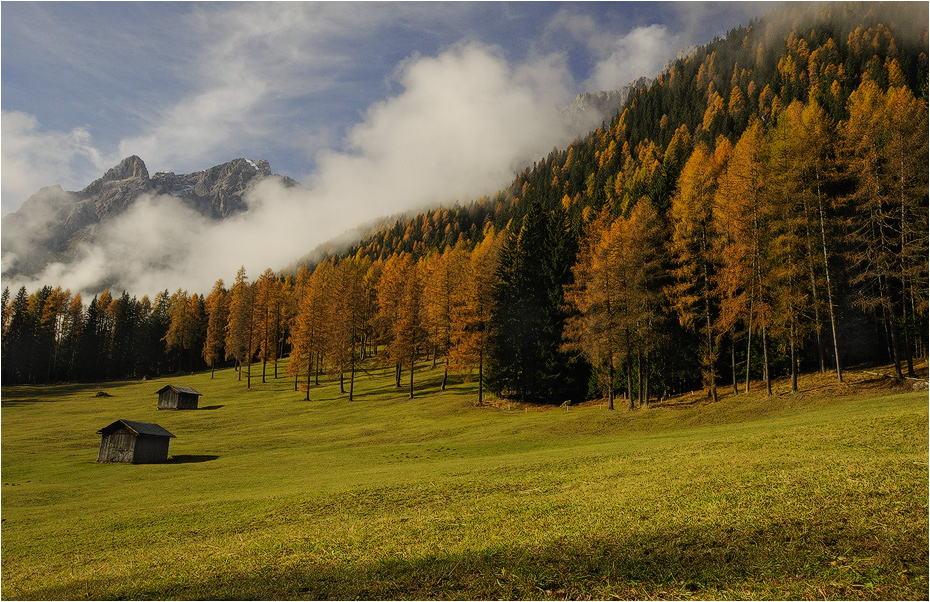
x,y
822,494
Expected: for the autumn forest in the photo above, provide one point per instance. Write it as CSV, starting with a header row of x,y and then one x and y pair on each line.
x,y
760,210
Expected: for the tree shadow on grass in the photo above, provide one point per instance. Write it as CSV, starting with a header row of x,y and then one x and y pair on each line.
x,y
191,458
19,395
212,407
780,559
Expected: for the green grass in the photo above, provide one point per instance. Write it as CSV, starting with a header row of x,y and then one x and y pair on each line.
x,y
818,495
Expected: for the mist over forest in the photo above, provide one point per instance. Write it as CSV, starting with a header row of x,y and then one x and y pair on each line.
x,y
760,208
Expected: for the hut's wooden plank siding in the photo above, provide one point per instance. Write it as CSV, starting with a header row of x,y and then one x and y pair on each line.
x,y
130,442
186,401
177,398
150,450
168,399
117,447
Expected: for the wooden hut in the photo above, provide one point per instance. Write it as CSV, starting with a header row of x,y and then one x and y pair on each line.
x,y
173,397
131,442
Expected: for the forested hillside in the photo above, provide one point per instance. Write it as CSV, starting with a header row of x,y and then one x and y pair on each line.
x,y
759,210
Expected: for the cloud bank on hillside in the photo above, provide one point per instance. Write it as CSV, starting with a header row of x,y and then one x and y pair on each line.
x,y
462,124
453,125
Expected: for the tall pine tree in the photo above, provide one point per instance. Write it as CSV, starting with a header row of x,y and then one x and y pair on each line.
x,y
529,319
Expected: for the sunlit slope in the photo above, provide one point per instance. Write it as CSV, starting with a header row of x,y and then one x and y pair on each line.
x,y
823,494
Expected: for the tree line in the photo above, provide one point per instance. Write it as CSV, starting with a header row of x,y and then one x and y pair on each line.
x,y
768,243
760,210
329,320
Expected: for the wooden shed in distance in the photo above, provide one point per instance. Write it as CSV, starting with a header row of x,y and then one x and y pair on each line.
x,y
173,397
131,442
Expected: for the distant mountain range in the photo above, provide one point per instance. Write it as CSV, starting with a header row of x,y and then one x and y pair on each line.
x,y
53,220
589,109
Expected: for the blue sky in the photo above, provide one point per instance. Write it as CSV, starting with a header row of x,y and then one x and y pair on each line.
x,y
189,85
378,108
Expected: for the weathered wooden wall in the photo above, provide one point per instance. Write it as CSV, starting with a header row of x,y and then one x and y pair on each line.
x,y
150,450
168,400
126,448
117,447
187,401
172,400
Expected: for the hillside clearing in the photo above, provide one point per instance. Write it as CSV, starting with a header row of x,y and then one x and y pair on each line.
x,y
817,495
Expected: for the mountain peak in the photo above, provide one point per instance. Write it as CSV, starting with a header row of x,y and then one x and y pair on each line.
x,y
130,168
53,220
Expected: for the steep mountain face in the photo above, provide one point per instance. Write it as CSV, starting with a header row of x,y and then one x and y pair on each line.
x,y
799,52
53,220
590,109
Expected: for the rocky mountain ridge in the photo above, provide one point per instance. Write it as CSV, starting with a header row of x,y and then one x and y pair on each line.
x,y
53,220
590,109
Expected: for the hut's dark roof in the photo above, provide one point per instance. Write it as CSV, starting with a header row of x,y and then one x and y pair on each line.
x,y
178,389
139,428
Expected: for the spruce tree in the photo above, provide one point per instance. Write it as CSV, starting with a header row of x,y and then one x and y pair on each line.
x,y
529,319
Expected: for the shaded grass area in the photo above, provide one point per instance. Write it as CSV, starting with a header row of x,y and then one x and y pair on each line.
x,y
268,496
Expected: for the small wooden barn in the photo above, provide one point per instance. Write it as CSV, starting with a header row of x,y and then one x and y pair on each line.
x,y
131,442
173,397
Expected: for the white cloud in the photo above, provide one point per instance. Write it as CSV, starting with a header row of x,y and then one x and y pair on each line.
x,y
617,59
33,158
462,124
642,51
456,125
260,69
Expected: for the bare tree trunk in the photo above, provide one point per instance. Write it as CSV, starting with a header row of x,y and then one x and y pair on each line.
x,y
646,382
309,375
712,373
629,374
733,358
794,359
352,372
908,352
818,327
908,347
826,268
765,352
412,357
610,381
481,375
748,344
892,328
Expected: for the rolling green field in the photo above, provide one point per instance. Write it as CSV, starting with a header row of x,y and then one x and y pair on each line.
x,y
823,494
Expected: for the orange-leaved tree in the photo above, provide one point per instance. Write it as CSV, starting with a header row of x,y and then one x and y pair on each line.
x,y
241,335
691,249
217,306
744,275
474,306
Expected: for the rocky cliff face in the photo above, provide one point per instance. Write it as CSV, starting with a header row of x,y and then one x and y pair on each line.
x,y
590,109
52,220
215,192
